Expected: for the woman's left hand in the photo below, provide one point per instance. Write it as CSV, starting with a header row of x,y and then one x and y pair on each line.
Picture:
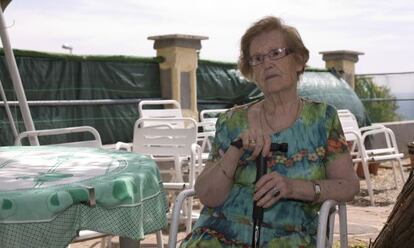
x,y
271,188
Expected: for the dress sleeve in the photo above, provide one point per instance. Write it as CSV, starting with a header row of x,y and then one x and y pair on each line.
x,y
221,140
336,143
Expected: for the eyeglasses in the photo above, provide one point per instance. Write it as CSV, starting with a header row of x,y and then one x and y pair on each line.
x,y
274,54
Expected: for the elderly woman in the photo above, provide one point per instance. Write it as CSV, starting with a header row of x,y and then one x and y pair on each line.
x,y
316,166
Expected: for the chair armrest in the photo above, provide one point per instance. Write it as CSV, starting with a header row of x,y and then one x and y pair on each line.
x,y
373,126
123,146
374,132
175,186
327,219
388,134
179,200
96,142
349,132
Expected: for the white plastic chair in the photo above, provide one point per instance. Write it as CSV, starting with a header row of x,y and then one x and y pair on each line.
x,y
326,221
170,109
95,142
357,136
164,143
210,115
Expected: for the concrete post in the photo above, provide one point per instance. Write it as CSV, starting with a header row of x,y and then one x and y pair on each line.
x,y
342,61
178,71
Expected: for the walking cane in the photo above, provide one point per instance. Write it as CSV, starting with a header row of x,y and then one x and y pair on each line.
x,y
258,211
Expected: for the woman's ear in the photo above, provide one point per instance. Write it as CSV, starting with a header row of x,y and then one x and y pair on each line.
x,y
255,81
300,65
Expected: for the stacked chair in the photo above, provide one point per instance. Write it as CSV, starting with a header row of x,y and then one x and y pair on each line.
x,y
166,136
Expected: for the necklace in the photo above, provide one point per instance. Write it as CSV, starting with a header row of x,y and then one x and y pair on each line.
x,y
298,110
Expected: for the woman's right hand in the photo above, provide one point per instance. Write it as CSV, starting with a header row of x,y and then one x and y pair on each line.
x,y
253,138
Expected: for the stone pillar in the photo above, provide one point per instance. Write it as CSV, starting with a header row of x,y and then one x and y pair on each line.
x,y
178,71
343,62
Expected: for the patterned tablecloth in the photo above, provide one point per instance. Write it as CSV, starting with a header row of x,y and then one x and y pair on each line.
x,y
44,195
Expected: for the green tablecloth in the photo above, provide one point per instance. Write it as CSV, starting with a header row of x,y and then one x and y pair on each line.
x,y
44,195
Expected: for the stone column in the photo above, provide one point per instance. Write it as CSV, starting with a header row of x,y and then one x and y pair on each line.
x,y
343,62
178,71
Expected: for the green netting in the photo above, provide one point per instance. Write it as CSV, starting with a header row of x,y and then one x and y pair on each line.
x,y
62,77
82,78
223,82
47,76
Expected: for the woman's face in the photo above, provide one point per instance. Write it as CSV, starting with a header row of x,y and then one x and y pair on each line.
x,y
274,76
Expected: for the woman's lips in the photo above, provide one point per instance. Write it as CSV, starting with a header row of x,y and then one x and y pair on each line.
x,y
271,76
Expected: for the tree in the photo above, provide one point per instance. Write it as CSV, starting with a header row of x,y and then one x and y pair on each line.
x,y
374,98
398,231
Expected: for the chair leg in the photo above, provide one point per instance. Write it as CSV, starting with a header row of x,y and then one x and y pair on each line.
x,y
109,244
178,171
160,242
394,171
331,227
189,215
343,226
400,165
106,242
176,216
368,181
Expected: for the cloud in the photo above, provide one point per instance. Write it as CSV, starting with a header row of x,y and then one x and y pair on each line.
x,y
122,27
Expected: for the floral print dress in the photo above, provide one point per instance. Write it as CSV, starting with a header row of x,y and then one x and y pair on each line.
x,y
314,139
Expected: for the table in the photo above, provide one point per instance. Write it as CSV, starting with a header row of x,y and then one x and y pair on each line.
x,y
46,193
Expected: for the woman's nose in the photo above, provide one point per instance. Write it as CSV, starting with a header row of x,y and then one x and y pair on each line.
x,y
267,61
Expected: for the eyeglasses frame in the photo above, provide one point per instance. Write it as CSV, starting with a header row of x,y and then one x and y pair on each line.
x,y
285,51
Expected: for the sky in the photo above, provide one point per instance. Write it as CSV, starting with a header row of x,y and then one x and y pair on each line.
x,y
383,30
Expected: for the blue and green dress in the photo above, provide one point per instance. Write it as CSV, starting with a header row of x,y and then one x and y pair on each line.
x,y
314,139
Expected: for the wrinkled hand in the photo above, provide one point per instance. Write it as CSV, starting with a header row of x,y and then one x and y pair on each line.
x,y
271,188
253,138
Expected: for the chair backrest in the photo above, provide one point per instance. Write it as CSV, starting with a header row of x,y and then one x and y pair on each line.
x,y
351,130
162,139
344,111
210,115
207,124
348,123
159,109
95,142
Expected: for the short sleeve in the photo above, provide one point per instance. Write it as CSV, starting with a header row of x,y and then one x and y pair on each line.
x,y
221,141
229,125
336,142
